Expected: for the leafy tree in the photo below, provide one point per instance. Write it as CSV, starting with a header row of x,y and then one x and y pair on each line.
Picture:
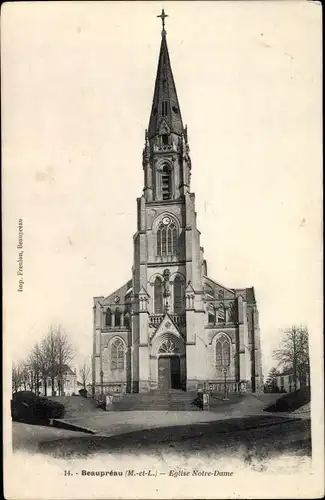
x,y
293,353
271,381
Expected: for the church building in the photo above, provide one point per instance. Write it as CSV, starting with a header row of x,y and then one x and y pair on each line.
x,y
172,326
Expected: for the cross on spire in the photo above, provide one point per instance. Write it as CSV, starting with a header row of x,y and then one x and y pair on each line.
x,y
163,17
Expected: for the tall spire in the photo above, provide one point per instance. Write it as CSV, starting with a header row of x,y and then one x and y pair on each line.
x,y
165,107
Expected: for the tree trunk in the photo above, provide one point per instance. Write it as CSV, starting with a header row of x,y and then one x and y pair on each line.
x,y
295,363
53,385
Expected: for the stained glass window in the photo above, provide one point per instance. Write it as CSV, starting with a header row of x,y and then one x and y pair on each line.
x,y
117,355
222,351
167,239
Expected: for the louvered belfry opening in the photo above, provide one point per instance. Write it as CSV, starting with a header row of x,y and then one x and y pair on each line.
x,y
166,183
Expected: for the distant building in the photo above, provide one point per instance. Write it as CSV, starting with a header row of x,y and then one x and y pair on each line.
x,y
69,383
285,381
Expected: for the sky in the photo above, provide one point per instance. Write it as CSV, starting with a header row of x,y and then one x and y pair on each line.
x,y
77,87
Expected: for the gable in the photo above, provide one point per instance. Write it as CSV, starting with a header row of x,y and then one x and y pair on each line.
x,y
167,325
163,127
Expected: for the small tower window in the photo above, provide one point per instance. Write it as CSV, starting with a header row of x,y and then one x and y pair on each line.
x,y
164,108
166,183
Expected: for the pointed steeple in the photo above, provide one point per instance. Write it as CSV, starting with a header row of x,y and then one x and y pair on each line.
x,y
165,111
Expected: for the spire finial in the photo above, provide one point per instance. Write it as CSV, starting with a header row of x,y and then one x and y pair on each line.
x,y
163,17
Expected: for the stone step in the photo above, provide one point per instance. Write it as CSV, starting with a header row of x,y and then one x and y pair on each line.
x,y
158,398
161,401
154,395
160,407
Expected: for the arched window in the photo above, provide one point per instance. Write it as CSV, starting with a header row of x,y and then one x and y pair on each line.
x,y
117,317
178,295
167,238
166,183
158,295
222,351
117,355
108,317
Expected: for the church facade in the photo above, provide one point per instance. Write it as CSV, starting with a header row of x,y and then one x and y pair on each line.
x,y
172,326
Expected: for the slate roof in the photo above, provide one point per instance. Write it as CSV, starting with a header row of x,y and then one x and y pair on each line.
x,y
165,91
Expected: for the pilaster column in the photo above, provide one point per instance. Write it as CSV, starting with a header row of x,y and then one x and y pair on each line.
x,y
113,318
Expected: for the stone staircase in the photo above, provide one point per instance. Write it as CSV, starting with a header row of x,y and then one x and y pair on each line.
x,y
172,400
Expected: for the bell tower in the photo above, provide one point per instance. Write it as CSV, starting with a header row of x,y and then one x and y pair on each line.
x,y
167,254
166,160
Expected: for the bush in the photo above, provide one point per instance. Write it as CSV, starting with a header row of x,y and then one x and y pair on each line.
x,y
83,393
291,401
26,406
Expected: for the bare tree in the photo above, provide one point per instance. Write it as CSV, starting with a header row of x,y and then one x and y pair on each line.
x,y
35,365
47,359
25,375
17,377
65,354
293,353
50,348
84,372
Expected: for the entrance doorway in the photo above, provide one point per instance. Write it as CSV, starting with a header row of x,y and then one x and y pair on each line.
x,y
169,372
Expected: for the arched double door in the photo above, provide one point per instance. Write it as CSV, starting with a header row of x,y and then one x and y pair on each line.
x,y
169,367
169,372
